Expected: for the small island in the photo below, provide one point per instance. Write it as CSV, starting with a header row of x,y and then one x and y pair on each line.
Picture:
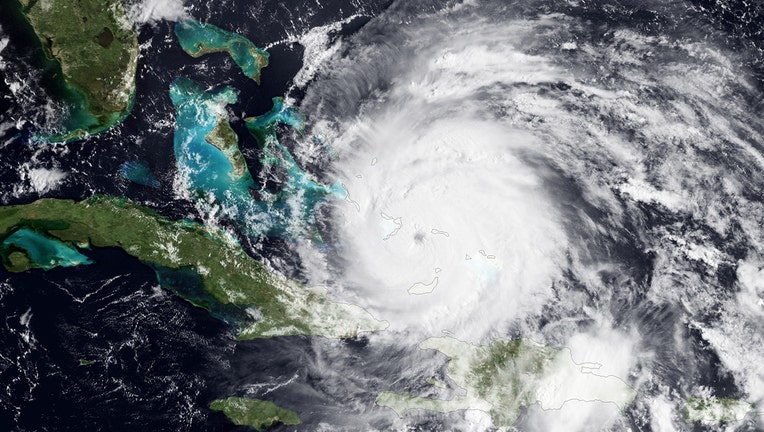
x,y
97,50
198,39
206,147
713,411
298,181
254,413
224,138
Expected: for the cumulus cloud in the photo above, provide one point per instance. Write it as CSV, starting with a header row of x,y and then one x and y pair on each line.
x,y
39,180
149,11
43,180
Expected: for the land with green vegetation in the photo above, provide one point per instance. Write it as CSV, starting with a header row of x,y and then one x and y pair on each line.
x,y
263,127
97,49
198,39
255,413
712,411
225,139
232,283
508,375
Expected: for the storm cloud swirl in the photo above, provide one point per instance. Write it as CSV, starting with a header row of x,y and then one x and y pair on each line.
x,y
580,174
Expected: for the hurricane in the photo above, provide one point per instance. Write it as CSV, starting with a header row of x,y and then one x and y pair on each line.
x,y
537,169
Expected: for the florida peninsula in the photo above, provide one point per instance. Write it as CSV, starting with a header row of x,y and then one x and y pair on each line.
x,y
97,50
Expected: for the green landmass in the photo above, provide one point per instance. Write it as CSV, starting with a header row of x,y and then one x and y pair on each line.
x,y
713,411
17,261
85,362
506,376
225,139
185,253
255,413
198,39
97,49
263,127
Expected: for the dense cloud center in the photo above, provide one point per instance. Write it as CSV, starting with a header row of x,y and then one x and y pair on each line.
x,y
448,225
531,175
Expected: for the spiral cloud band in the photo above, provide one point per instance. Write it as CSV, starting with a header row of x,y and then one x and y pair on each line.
x,y
526,173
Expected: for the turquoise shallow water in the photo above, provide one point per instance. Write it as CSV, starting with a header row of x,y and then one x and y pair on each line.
x,y
198,38
45,252
297,182
211,177
208,172
139,172
78,118
205,167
